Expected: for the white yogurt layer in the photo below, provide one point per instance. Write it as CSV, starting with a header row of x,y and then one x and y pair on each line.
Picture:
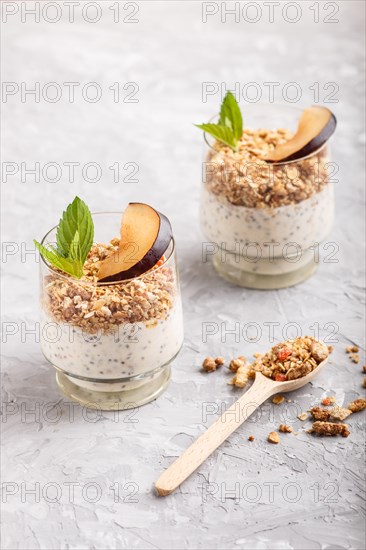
x,y
133,350
258,240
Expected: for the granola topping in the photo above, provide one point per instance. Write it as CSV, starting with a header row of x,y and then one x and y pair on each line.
x,y
95,307
244,179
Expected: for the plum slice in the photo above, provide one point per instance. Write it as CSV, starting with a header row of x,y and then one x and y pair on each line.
x,y
315,127
145,236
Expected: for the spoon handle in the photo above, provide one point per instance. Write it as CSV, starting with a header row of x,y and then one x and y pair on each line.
x,y
197,453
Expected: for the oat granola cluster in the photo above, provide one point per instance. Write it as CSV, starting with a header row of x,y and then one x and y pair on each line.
x,y
327,420
244,179
96,307
291,359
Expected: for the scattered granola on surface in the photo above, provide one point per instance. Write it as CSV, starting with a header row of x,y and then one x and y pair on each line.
x,y
352,349
329,428
302,416
273,437
210,364
285,429
339,413
96,307
353,353
320,414
278,399
243,374
357,405
235,364
243,178
335,413
364,369
251,438
364,382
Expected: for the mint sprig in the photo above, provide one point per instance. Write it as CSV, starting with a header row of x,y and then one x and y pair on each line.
x,y
229,129
74,239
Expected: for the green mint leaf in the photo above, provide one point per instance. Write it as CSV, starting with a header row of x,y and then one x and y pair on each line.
x,y
75,219
230,116
68,265
75,251
74,237
222,133
229,129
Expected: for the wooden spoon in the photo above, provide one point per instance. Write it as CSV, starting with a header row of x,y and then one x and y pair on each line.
x,y
261,389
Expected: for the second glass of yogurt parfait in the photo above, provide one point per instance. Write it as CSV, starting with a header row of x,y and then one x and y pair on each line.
x,y
265,221
111,343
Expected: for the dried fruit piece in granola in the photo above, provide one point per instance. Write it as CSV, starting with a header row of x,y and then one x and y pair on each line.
x,y
329,428
283,353
357,405
251,438
328,401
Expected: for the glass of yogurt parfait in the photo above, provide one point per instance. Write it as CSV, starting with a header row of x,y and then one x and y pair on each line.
x,y
265,217
112,341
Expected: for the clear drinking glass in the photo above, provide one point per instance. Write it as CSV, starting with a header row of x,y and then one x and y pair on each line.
x,y
111,344
258,245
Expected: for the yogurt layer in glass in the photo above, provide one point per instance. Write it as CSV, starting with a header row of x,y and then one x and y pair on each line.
x,y
111,343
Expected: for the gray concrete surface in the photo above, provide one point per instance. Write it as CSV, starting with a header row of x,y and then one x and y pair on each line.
x,y
306,492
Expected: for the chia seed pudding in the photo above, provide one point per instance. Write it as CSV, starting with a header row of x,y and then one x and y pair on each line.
x,y
112,337
265,219
133,352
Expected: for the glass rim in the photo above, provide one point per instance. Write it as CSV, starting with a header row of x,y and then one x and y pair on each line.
x,y
281,163
68,277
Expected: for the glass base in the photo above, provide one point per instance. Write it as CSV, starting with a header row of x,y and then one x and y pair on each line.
x,y
115,401
264,281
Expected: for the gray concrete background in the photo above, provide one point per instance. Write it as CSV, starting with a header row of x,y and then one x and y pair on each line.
x,y
306,492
